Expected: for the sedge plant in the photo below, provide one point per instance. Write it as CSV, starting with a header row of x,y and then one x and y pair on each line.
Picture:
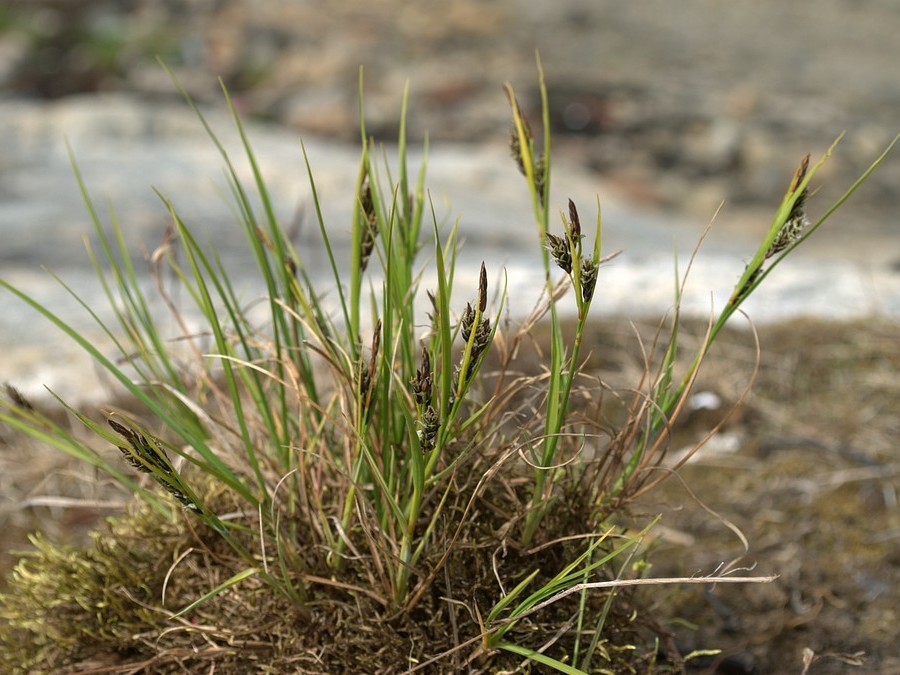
x,y
356,435
623,471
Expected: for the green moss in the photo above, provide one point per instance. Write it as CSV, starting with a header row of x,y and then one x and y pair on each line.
x,y
65,604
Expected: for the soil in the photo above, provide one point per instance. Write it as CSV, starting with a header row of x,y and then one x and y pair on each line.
x,y
807,471
800,481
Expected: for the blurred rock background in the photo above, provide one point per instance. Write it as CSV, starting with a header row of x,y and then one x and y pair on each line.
x,y
666,111
682,107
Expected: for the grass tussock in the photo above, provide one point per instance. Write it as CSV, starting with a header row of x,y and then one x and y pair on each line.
x,y
368,478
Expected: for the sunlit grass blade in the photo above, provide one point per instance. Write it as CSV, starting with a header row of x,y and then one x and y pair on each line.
x,y
540,658
231,582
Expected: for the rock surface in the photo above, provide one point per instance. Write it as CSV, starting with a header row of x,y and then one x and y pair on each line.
x,y
664,114
682,107
127,148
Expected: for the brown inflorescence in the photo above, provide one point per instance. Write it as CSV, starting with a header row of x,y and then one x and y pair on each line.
x,y
370,225
797,220
423,381
430,422
588,278
144,454
559,250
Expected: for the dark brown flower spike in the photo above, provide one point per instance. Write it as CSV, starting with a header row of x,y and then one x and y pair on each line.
x,y
145,454
515,149
370,224
429,424
560,252
588,279
518,152
467,323
514,143
482,332
423,381
141,454
540,176
482,289
801,174
291,266
367,371
797,220
574,221
17,399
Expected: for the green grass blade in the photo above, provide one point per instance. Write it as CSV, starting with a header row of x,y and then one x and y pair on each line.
x,y
232,581
542,659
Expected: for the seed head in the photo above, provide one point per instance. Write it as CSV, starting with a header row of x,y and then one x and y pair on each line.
x,y
560,251
370,224
144,454
366,375
465,324
482,337
429,425
588,278
789,233
482,289
434,306
291,266
540,176
17,399
141,453
744,290
515,145
797,221
518,152
574,220
423,381
515,149
800,175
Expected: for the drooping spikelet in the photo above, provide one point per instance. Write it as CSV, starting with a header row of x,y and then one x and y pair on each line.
x,y
423,381
147,456
560,252
369,224
797,221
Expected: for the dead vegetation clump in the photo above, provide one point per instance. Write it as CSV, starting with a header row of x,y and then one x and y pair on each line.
x,y
110,606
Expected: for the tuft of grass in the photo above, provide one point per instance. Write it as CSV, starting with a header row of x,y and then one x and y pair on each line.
x,y
357,464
